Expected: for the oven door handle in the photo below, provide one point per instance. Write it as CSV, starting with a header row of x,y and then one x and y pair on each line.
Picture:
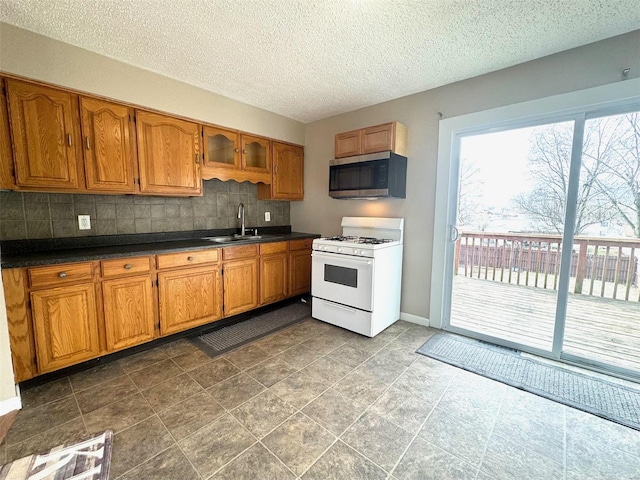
x,y
339,256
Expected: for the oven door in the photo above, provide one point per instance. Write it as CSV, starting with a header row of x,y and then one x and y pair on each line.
x,y
342,279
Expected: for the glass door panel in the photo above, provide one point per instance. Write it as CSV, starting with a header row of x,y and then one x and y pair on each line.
x,y
256,153
221,148
603,311
510,216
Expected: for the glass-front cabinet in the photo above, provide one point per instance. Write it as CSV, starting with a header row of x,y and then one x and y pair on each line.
x,y
231,155
221,148
256,154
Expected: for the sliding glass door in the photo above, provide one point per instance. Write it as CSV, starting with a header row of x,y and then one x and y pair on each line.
x,y
547,239
602,323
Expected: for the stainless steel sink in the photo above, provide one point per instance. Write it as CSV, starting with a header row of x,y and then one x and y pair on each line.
x,y
235,238
247,237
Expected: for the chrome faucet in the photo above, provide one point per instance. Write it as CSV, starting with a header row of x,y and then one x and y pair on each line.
x,y
241,215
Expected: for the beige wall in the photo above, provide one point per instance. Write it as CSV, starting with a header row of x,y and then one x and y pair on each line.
x,y
41,58
596,64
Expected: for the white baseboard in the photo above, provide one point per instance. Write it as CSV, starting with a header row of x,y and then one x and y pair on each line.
x,y
414,319
9,405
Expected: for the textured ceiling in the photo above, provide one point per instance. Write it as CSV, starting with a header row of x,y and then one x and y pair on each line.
x,y
311,59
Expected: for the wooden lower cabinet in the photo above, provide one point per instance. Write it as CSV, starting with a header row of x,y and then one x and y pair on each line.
x,y
240,286
129,313
273,278
189,297
64,314
65,326
299,272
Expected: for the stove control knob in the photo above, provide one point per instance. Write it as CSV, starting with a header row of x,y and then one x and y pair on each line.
x,y
339,249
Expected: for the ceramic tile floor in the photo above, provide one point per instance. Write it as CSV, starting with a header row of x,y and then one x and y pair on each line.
x,y
317,402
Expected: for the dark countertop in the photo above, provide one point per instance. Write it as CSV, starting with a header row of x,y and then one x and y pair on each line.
x,y
28,253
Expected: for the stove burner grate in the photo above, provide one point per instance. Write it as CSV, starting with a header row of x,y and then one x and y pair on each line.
x,y
360,240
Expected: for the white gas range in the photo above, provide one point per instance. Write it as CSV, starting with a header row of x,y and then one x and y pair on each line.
x,y
356,277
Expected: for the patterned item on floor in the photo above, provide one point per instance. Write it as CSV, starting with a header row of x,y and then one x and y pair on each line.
x,y
86,460
614,402
227,338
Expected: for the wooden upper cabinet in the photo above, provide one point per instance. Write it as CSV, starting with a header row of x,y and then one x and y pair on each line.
x,y
45,131
7,179
348,144
288,169
379,138
221,148
109,148
287,182
168,155
256,153
231,155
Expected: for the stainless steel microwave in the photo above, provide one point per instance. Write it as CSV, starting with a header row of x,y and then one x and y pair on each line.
x,y
377,175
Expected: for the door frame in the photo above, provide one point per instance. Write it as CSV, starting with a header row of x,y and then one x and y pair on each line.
x,y
575,106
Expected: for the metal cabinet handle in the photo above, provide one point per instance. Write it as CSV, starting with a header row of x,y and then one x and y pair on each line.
x,y
236,150
244,152
69,139
128,266
197,158
62,274
190,258
88,142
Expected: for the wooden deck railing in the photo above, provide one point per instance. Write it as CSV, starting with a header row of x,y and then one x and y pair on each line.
x,y
599,266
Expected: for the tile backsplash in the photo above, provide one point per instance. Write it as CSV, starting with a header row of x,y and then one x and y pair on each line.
x,y
26,215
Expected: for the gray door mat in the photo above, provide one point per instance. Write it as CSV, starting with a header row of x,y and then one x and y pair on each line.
x,y
229,338
612,401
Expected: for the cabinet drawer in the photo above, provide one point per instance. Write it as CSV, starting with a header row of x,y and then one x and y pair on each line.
x,y
181,259
125,266
271,248
302,244
245,251
59,274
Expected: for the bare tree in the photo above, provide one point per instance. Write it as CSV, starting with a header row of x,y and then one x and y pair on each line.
x,y
619,180
549,161
470,191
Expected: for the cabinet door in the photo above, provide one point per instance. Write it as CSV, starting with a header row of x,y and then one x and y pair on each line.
x,y
221,148
348,144
128,311
168,155
240,286
300,272
189,297
7,181
256,153
109,151
288,166
378,139
273,278
45,136
65,324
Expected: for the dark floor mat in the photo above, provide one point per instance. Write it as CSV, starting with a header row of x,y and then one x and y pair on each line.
x,y
609,400
228,338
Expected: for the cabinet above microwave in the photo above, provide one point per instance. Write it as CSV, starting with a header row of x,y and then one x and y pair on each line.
x,y
379,138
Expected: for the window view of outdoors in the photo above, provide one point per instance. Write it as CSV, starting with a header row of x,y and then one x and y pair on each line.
x,y
512,200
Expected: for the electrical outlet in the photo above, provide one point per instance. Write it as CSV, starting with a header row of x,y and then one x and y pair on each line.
x,y
84,222
267,216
